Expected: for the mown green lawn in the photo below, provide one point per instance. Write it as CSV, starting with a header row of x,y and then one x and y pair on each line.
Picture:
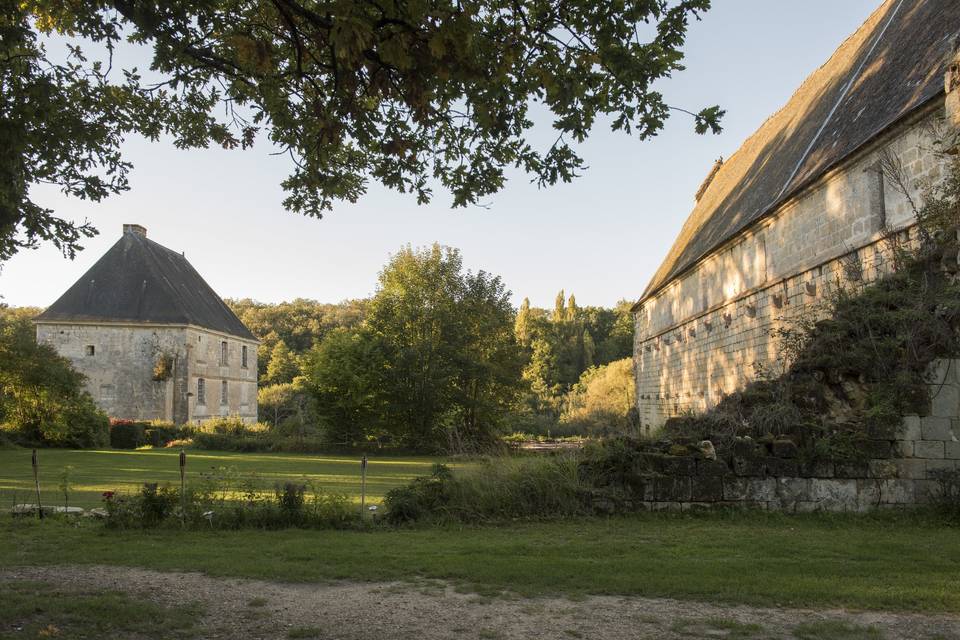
x,y
888,562
97,471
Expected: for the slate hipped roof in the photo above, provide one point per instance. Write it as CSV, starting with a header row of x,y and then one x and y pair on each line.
x,y
892,66
141,281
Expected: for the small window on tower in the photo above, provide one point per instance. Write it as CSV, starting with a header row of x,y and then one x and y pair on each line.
x,y
223,353
91,350
223,392
201,391
243,356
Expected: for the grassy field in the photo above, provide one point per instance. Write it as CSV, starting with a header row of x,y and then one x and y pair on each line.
x,y
97,471
885,562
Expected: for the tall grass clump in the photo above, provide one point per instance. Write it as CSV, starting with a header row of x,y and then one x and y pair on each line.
x,y
498,488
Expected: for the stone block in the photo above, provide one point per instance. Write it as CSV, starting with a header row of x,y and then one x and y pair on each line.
x,y
668,489
678,465
834,494
903,448
664,506
911,428
944,400
706,489
735,489
868,495
712,468
942,371
817,469
747,467
897,491
785,449
781,467
913,468
951,450
882,469
761,489
926,490
696,506
929,449
851,470
744,447
940,465
938,428
875,448
790,491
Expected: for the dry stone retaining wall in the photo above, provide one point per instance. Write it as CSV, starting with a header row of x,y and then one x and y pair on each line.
x,y
895,471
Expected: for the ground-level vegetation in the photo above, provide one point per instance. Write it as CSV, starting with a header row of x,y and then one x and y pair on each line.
x,y
93,472
890,561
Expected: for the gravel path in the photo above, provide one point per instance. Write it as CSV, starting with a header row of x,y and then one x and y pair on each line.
x,y
428,610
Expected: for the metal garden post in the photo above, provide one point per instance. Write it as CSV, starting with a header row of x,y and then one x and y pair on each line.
x,y
36,482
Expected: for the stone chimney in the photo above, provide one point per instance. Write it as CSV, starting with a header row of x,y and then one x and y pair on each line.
x,y
951,104
135,228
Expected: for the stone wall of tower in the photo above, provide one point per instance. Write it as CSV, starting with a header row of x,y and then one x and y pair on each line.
x,y
706,333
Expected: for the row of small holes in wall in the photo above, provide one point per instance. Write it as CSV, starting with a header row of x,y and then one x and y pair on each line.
x,y
750,312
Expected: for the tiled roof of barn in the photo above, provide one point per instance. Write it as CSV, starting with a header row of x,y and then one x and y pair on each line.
x,y
891,66
141,281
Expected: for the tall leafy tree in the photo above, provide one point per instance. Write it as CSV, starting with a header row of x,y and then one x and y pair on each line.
x,y
283,367
454,364
521,327
347,373
42,397
407,94
559,308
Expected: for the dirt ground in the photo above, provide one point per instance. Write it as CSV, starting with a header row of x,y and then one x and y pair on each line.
x,y
428,610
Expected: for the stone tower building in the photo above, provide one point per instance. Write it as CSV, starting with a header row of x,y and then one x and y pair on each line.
x,y
153,339
802,207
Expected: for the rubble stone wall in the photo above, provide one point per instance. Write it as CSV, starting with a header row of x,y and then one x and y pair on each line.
x,y
895,471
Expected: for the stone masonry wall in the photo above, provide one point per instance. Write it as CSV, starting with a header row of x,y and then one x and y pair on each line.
x,y
204,359
119,362
895,472
702,336
120,370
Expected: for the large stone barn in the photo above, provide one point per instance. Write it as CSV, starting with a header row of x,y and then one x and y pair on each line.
x,y
814,198
153,339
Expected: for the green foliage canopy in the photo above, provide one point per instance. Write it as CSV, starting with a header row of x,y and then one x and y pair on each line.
x,y
42,400
406,94
434,365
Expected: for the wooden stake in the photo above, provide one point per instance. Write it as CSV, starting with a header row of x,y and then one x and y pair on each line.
x,y
363,487
36,482
183,487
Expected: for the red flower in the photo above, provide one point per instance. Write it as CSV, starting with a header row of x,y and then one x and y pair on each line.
x,y
107,495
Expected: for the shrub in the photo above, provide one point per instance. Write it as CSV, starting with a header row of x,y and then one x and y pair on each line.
x,y
603,402
160,434
213,503
498,489
127,434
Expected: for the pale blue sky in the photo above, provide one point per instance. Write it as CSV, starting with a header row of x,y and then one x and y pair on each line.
x,y
600,237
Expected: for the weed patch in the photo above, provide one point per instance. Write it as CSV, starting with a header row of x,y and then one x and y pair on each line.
x,y
38,609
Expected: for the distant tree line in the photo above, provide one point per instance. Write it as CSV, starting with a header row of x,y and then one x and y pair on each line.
x,y
439,359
